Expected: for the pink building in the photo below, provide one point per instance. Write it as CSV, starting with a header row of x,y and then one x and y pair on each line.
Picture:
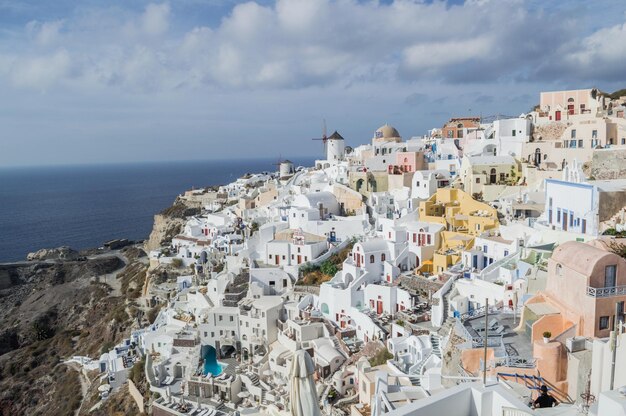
x,y
585,282
407,162
559,104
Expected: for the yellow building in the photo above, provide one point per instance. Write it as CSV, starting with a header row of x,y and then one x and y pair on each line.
x,y
349,200
366,183
463,218
267,195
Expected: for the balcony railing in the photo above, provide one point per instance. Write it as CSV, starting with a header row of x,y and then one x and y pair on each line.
x,y
605,292
514,361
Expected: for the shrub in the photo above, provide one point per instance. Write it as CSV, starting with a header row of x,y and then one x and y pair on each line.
x,y
547,334
328,268
177,262
381,357
42,327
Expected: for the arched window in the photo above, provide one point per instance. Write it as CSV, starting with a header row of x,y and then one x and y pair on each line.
x,y
406,160
372,258
382,257
559,269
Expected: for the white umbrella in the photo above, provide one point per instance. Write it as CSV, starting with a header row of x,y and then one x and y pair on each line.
x,y
243,394
303,395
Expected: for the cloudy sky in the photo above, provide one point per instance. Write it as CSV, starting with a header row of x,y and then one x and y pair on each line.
x,y
121,81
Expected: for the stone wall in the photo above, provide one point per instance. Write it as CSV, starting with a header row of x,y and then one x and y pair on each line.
x,y
608,164
136,395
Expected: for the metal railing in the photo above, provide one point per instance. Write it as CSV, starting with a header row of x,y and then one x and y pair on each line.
x,y
514,362
492,341
605,292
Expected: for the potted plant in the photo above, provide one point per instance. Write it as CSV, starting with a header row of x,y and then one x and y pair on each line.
x,y
546,336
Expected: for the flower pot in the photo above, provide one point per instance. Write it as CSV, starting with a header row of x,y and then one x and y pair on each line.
x,y
546,340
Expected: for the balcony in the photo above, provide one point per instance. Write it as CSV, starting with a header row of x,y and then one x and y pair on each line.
x,y
606,292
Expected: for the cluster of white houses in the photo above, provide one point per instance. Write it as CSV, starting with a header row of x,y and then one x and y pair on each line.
x,y
433,251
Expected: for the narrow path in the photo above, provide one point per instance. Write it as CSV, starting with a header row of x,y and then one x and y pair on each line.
x,y
85,383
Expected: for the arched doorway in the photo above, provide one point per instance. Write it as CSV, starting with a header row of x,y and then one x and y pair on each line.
x,y
492,176
372,184
359,185
537,156
417,261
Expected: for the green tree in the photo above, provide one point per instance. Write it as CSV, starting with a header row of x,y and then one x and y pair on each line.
x,y
328,268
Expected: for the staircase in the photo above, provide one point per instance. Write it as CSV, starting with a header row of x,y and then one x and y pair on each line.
x,y
435,339
416,381
254,378
339,347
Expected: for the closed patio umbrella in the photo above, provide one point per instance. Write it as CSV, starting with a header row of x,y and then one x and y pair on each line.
x,y
303,395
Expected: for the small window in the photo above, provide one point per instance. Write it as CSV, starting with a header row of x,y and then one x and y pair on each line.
x,y
604,322
594,134
513,133
382,257
372,259
573,136
477,180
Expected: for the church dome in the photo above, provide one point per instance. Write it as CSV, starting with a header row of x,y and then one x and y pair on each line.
x,y
386,132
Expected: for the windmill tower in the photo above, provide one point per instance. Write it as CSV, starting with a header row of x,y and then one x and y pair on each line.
x,y
285,168
334,146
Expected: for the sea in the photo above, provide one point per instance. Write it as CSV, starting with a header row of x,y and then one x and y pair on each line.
x,y
84,206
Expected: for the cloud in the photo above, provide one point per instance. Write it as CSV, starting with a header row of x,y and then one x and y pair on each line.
x,y
416,99
155,19
41,71
299,44
44,33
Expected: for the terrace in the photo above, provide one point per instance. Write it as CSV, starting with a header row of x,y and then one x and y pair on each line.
x,y
512,347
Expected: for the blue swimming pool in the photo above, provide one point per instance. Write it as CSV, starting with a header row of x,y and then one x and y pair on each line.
x,y
210,361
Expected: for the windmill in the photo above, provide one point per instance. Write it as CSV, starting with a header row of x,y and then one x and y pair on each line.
x,y
324,137
280,160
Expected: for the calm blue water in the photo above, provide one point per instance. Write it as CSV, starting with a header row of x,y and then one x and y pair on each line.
x,y
84,206
210,361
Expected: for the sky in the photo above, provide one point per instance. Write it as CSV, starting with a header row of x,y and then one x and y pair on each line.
x,y
133,81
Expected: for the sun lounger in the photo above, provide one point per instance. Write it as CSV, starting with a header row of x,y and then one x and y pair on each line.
x,y
499,329
493,323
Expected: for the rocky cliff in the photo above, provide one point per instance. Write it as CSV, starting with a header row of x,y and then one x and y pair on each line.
x,y
52,309
169,222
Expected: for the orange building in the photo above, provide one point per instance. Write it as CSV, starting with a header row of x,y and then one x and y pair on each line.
x,y
454,128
